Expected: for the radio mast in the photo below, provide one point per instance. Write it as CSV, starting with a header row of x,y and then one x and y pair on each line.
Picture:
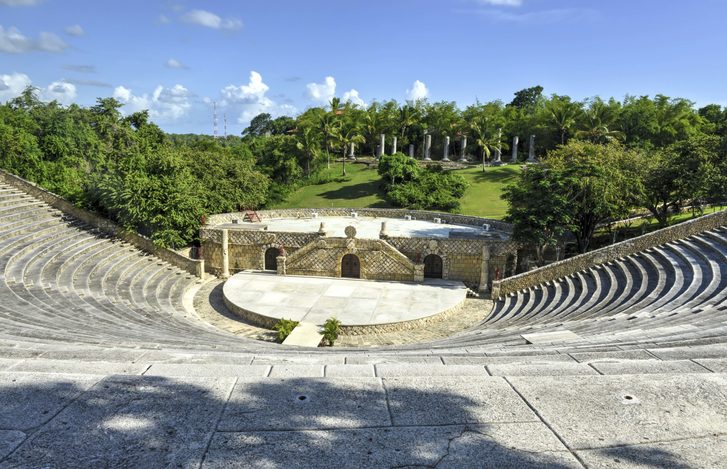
x,y
214,119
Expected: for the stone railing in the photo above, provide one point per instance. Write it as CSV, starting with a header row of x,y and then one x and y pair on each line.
x,y
425,215
607,254
193,266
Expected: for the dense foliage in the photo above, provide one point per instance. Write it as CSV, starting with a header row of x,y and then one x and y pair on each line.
x,y
162,185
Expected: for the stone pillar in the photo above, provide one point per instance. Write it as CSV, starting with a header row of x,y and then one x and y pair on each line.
x,y
281,264
411,150
225,253
418,272
322,230
383,233
393,144
382,142
515,141
485,270
445,153
498,151
463,155
531,150
427,147
352,152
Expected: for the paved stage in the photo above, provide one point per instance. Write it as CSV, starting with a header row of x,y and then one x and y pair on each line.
x,y
354,302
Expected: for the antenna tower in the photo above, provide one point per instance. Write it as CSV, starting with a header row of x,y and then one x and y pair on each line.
x,y
214,119
225,117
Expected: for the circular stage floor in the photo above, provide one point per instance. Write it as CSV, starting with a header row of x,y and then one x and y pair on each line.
x,y
264,298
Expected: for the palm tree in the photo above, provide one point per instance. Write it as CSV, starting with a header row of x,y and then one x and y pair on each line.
x,y
487,143
599,118
563,114
346,134
308,143
328,124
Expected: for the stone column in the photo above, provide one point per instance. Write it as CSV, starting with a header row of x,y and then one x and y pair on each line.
x,y
515,141
383,233
352,152
393,144
225,253
445,153
427,147
498,151
463,156
485,270
531,150
281,264
382,142
411,150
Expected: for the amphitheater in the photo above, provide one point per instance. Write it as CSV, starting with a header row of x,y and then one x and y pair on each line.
x,y
108,357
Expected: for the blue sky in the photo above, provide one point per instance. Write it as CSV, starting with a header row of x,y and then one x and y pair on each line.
x,y
282,56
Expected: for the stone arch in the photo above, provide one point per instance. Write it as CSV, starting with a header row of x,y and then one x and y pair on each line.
x,y
264,249
271,258
433,266
350,266
445,259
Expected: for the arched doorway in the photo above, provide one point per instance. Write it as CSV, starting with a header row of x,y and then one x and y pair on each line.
x,y
350,266
432,266
271,259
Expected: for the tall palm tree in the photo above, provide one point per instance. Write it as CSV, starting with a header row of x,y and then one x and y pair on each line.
x,y
563,113
309,144
328,123
487,142
599,118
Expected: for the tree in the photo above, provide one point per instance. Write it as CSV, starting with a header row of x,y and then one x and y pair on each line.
x,y
398,167
527,98
563,114
309,144
538,208
485,141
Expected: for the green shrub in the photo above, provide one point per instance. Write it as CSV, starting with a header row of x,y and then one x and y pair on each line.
x,y
331,329
284,327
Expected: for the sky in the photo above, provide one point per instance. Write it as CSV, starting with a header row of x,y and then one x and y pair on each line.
x,y
177,58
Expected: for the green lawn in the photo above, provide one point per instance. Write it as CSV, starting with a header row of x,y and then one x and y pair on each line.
x,y
361,189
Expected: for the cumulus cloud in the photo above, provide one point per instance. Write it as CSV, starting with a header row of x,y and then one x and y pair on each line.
x,y
418,91
505,3
12,41
322,93
75,30
210,20
19,3
174,63
251,99
163,103
353,97
60,91
12,85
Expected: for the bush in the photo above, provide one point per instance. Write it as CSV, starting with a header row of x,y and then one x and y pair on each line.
x,y
433,189
284,327
331,329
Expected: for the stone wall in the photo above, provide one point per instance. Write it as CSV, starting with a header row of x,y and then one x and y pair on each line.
x,y
193,266
224,218
610,253
378,260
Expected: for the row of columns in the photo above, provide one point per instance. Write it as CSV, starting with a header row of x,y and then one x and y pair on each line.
x,y
427,145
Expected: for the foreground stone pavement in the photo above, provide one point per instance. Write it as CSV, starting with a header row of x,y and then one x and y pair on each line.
x,y
227,411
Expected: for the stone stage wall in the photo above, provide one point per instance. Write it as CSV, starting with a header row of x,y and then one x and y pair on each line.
x,y
476,262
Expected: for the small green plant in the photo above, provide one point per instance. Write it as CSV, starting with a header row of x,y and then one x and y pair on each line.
x,y
331,329
284,327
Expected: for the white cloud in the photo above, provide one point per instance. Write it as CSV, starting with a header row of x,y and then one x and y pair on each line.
x,y
247,101
163,103
60,91
353,97
13,41
418,91
174,63
19,3
506,3
75,30
322,93
12,85
210,20
164,19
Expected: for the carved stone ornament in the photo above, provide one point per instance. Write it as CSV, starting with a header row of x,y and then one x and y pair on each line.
x,y
350,232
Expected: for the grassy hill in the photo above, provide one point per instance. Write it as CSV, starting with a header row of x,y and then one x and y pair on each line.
x,y
361,188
